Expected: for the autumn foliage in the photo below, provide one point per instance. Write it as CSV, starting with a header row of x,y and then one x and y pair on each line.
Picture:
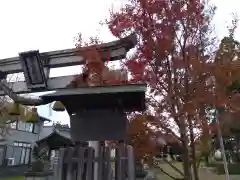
x,y
177,56
140,136
187,73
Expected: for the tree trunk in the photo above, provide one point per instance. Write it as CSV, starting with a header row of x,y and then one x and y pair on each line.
x,y
185,154
193,150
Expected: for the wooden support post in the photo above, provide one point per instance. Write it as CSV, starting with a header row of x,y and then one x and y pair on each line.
x,y
96,146
131,163
119,163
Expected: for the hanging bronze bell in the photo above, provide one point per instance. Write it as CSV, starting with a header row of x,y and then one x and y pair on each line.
x,y
58,106
14,109
33,116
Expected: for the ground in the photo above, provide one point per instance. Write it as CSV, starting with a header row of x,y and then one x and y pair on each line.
x,y
204,173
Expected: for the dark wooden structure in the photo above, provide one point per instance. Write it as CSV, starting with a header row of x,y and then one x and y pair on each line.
x,y
98,113
112,51
79,164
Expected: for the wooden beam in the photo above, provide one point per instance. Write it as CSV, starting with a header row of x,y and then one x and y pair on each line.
x,y
20,87
71,57
63,58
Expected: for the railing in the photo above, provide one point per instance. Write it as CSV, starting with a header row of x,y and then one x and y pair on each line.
x,y
80,163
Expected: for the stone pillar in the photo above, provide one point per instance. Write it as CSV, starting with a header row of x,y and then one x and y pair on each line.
x,y
96,146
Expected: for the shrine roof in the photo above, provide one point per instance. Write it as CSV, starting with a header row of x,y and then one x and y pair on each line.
x,y
56,140
99,90
129,97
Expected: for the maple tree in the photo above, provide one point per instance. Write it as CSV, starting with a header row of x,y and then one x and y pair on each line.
x,y
175,56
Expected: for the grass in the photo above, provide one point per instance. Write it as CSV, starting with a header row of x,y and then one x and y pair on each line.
x,y
13,178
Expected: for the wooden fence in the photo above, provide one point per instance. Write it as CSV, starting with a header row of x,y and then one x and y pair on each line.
x,y
80,163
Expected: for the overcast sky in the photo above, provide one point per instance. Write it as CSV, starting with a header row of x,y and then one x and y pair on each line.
x,y
49,25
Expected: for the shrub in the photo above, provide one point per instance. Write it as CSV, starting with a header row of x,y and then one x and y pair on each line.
x,y
40,155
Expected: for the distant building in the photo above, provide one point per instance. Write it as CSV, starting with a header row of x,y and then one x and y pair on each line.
x,y
15,148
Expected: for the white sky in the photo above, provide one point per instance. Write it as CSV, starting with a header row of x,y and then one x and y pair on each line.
x,y
52,24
